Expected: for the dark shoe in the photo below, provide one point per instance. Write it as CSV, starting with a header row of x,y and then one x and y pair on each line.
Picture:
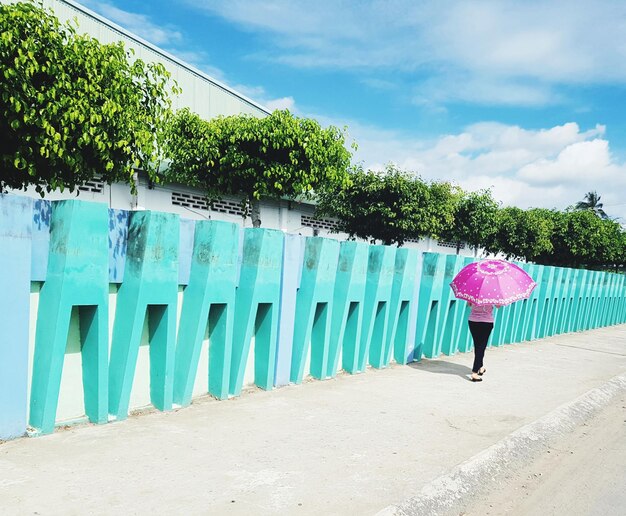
x,y
476,379
480,374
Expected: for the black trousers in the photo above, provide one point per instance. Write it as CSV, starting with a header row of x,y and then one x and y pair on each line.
x,y
480,334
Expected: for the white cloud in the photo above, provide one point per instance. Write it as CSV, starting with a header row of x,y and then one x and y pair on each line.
x,y
551,168
506,52
575,163
260,95
282,103
139,24
484,89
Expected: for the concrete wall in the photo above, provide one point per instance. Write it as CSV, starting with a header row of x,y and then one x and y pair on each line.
x,y
189,203
105,311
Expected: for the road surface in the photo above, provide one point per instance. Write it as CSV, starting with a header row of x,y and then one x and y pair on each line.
x,y
582,474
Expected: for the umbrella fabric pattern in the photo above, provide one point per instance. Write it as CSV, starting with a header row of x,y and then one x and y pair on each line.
x,y
492,282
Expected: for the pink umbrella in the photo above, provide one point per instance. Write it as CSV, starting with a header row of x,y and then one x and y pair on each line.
x,y
492,282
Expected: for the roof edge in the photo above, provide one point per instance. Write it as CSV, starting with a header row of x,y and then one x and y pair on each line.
x,y
167,55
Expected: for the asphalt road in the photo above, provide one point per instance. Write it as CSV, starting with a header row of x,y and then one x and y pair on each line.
x,y
582,474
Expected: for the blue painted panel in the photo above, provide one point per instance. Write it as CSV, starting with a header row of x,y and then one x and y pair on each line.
x,y
42,213
293,257
118,240
15,269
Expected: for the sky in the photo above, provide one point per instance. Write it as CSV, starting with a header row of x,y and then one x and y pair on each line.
x,y
526,98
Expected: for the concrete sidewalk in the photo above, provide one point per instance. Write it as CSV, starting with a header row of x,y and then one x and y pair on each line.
x,y
353,445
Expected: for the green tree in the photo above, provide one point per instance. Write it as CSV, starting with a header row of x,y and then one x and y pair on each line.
x,y
522,234
592,203
279,156
72,108
558,238
579,239
611,246
474,220
439,209
621,250
389,206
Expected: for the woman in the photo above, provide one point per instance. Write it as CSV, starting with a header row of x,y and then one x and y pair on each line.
x,y
480,322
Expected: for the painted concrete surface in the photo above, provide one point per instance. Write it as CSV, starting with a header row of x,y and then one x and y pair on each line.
x,y
15,255
257,304
380,275
400,341
314,306
352,445
293,254
209,300
149,292
304,305
348,303
77,278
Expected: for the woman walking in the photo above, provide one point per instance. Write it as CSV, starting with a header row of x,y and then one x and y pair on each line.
x,y
480,322
484,285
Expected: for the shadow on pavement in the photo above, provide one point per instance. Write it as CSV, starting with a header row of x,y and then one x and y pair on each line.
x,y
442,367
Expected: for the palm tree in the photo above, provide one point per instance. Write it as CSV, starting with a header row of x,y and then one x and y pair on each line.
x,y
592,202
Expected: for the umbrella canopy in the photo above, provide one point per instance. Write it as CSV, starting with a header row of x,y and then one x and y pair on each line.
x,y
492,282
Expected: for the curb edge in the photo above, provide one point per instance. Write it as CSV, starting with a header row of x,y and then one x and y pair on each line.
x,y
452,490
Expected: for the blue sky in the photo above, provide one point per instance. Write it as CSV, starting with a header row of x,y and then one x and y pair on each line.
x,y
528,98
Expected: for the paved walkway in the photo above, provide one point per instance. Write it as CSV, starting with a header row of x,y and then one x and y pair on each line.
x,y
352,445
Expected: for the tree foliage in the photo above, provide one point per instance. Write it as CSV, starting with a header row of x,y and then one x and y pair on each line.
x,y
394,206
582,239
559,238
592,203
390,206
279,156
474,219
521,234
72,108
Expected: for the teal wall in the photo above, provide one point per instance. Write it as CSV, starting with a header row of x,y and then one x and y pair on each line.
x,y
565,300
282,305
77,276
314,306
149,290
213,262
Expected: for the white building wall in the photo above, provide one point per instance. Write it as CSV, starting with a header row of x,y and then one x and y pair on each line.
x,y
288,216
